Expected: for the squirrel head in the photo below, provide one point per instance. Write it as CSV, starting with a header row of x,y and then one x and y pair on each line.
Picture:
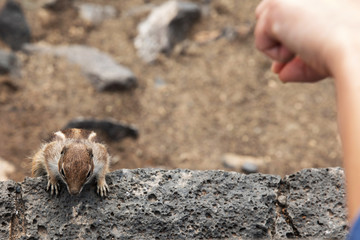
x,y
76,166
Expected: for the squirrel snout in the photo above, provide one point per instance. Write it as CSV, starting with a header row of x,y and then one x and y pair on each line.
x,y
74,191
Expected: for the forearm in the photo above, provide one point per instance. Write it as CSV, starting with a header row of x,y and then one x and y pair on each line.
x,y
323,36
347,81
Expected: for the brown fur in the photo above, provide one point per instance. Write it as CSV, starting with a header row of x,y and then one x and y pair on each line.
x,y
76,133
72,156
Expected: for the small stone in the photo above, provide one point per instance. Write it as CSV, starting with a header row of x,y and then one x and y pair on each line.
x,y
207,36
101,69
229,33
18,189
14,30
282,200
166,26
247,164
231,161
96,13
5,169
8,62
159,82
115,131
57,5
249,167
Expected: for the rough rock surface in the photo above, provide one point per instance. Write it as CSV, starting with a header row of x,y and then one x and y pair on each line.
x,y
180,204
14,30
315,203
166,25
7,208
102,71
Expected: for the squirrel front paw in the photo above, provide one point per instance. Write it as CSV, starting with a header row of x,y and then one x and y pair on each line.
x,y
102,187
53,186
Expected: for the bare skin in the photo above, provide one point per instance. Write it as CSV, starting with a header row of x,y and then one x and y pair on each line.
x,y
308,41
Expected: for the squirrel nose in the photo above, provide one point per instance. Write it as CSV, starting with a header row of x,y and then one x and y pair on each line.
x,y
74,191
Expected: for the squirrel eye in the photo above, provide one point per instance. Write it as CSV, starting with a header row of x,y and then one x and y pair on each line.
x,y
62,151
91,153
88,175
62,172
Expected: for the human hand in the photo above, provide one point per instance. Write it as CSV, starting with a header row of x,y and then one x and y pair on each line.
x,y
305,38
309,40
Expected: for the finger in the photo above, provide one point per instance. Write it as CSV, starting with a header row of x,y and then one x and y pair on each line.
x,y
267,43
262,39
260,8
279,53
297,71
277,66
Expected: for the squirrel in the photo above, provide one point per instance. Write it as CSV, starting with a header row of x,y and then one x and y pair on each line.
x,y
75,157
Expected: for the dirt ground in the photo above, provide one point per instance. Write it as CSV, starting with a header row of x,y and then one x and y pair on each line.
x,y
216,97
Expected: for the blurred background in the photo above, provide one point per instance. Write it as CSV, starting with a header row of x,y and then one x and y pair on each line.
x,y
181,80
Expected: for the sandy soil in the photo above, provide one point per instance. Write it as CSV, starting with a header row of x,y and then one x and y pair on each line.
x,y
219,97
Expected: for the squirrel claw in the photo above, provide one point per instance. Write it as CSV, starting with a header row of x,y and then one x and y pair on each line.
x,y
53,187
102,189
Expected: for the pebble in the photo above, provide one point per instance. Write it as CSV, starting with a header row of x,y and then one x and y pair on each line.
x,y
8,62
249,167
246,164
14,29
159,82
100,68
96,13
282,200
18,189
166,25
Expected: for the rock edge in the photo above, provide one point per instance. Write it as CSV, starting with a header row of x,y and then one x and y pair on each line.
x,y
180,204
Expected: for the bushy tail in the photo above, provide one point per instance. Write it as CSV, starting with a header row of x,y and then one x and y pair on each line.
x,y
38,165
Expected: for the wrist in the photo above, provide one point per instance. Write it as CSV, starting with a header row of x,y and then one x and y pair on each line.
x,y
343,59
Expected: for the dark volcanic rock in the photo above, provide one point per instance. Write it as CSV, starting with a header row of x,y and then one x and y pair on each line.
x,y
316,203
113,130
58,5
8,62
147,203
7,207
180,204
166,25
14,30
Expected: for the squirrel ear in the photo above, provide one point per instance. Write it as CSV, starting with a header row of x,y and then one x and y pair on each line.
x,y
92,137
60,136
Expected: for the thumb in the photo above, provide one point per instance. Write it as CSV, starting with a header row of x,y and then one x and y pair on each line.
x,y
296,71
